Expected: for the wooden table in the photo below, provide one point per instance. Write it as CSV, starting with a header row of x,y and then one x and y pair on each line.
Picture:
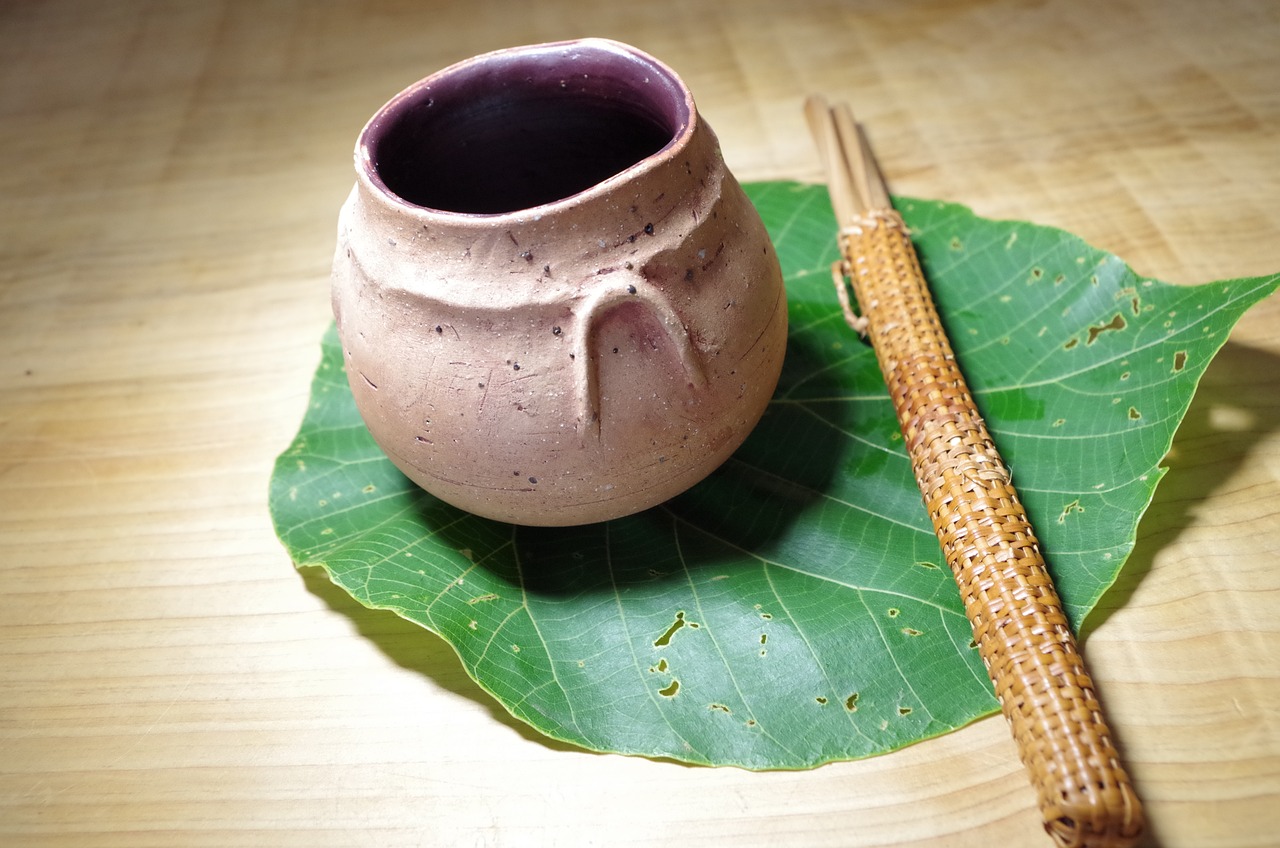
x,y
170,178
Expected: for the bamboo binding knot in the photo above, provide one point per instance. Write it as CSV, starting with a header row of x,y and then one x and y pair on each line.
x,y
872,219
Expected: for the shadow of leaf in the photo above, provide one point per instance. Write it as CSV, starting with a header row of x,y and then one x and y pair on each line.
x,y
402,641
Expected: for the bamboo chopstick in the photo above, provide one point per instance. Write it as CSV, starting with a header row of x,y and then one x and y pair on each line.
x,y
1085,796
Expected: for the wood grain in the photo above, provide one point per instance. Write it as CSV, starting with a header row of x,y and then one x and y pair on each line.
x,y
168,195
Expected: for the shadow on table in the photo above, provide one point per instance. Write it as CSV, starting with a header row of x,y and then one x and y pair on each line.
x,y
411,647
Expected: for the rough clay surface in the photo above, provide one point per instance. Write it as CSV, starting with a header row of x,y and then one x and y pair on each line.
x,y
572,362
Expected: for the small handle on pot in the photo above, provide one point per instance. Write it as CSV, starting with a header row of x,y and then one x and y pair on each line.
x,y
586,368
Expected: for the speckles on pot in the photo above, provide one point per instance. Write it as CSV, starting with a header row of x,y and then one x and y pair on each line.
x,y
555,331
648,229
631,289
707,263
526,255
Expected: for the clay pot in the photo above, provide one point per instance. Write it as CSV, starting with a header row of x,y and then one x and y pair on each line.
x,y
556,304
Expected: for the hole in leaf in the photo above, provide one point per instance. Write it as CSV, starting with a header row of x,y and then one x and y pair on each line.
x,y
1068,509
721,707
1071,342
893,612
1179,360
821,700
1116,323
904,711
911,631
851,703
670,691
665,639
1134,414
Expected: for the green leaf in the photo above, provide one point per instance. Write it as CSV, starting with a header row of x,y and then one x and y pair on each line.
x,y
794,608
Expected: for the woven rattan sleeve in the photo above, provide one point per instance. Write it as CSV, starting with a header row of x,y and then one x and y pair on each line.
x,y
1022,633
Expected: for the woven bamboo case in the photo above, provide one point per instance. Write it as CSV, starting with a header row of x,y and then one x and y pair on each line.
x,y
1018,622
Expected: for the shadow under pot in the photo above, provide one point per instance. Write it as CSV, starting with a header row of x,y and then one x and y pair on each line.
x,y
556,305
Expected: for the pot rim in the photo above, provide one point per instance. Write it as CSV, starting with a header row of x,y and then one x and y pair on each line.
x,y
684,113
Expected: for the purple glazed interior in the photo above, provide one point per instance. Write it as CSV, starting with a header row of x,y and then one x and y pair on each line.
x,y
521,128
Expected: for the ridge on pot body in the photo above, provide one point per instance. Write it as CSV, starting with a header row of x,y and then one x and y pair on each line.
x,y
555,303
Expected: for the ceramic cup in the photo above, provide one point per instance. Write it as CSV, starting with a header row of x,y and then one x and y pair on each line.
x,y
556,305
